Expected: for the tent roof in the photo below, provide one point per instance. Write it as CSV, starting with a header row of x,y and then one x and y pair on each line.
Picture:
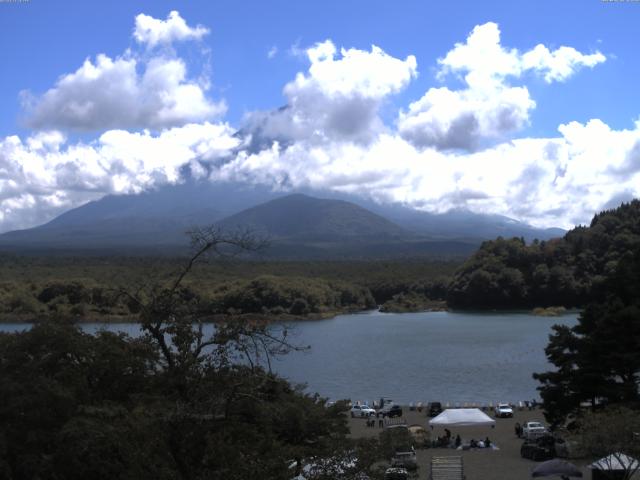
x,y
615,461
462,417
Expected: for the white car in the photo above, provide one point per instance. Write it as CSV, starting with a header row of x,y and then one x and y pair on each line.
x,y
362,411
503,410
405,458
531,430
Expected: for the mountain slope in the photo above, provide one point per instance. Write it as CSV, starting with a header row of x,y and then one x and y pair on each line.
x,y
299,216
460,224
157,218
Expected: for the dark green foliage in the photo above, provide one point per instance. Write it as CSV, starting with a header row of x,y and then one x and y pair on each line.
x,y
74,292
507,273
86,288
294,295
598,360
77,406
48,375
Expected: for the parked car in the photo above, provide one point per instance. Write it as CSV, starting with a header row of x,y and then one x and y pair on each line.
x,y
539,449
362,411
405,457
532,430
396,473
391,411
503,410
435,409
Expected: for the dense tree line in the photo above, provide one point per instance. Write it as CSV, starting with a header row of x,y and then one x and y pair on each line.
x,y
598,360
569,271
84,288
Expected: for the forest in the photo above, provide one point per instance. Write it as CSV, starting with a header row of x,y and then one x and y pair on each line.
x,y
87,289
569,271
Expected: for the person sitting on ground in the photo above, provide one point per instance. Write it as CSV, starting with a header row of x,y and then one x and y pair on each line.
x,y
458,441
473,443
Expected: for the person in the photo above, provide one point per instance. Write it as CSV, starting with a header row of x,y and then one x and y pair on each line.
x,y
518,429
380,423
473,443
487,442
458,441
447,433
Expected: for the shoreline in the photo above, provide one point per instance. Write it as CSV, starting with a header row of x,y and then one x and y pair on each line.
x,y
30,319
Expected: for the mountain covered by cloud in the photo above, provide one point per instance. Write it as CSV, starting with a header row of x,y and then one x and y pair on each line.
x,y
147,118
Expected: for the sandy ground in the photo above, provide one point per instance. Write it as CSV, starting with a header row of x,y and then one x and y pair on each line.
x,y
479,464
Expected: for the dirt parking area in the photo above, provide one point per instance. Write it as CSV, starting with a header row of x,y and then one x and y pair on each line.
x,y
479,464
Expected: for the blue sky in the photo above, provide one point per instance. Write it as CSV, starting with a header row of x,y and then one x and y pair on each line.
x,y
507,121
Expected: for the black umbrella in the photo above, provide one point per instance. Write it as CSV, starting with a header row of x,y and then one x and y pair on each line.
x,y
556,467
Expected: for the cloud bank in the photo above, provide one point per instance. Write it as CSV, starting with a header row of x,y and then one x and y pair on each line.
x,y
450,148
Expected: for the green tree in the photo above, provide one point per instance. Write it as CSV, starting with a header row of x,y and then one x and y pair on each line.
x,y
598,360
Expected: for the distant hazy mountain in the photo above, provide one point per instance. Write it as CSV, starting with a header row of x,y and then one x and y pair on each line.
x,y
300,225
464,224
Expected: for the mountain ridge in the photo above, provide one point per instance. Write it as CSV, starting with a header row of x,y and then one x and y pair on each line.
x,y
337,226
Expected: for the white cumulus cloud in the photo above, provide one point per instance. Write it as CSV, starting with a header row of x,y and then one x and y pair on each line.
x,y
152,31
490,107
339,96
560,64
112,93
130,91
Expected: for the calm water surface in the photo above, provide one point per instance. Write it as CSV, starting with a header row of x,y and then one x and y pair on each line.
x,y
445,356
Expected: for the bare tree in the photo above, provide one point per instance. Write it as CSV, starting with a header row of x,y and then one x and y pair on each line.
x,y
172,318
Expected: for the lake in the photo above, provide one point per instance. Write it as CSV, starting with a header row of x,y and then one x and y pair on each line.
x,y
444,356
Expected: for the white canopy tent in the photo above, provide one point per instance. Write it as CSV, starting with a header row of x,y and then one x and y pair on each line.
x,y
462,417
615,461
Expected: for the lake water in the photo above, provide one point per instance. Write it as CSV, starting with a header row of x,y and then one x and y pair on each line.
x,y
410,357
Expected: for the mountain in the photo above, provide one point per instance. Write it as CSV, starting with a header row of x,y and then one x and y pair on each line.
x,y
465,224
300,225
459,224
157,219
302,217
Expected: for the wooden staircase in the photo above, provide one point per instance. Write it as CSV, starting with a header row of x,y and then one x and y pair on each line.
x,y
447,468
